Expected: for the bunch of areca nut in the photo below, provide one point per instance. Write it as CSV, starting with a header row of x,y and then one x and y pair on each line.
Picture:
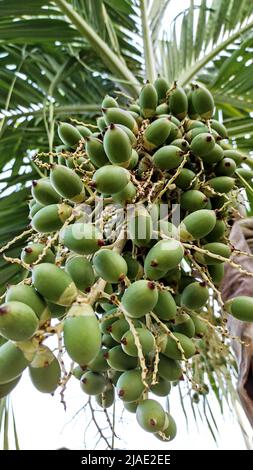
x,y
126,252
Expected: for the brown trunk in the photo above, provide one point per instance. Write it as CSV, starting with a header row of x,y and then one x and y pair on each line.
x,y
234,284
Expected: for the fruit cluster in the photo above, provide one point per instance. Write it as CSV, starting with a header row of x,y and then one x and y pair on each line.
x,y
128,243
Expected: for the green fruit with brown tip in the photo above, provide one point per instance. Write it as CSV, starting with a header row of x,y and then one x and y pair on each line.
x,y
78,371
67,183
156,133
139,298
161,388
44,193
12,362
220,128
56,311
109,102
181,143
193,200
168,157
119,360
81,272
27,295
31,253
99,363
146,339
178,102
203,102
200,326
140,226
51,218
95,151
69,134
148,100
150,415
18,322
106,398
237,156
120,116
192,113
126,196
169,369
164,255
218,231
134,268
101,123
92,383
130,386
131,406
45,371
197,225
54,284
202,144
165,307
83,239
81,332
221,184
214,156
6,389
170,347
117,145
118,329
162,86
110,265
195,295
111,179
185,178
169,433
241,307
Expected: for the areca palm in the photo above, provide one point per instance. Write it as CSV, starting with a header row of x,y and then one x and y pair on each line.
x,y
59,58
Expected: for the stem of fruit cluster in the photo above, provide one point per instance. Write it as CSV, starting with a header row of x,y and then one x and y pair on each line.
x,y
147,43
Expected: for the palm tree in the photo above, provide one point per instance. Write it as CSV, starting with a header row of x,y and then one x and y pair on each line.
x,y
59,58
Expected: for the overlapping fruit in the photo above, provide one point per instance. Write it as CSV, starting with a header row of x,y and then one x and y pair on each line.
x,y
129,239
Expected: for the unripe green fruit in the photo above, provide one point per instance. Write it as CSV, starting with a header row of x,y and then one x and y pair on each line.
x,y
171,350
178,102
56,311
117,145
133,160
220,128
202,144
108,341
131,406
192,113
203,102
185,178
214,156
54,284
167,229
45,371
95,151
195,295
189,136
168,157
164,255
106,398
162,109
6,389
130,386
18,321
218,232
51,218
150,415
69,134
238,157
129,133
12,362
81,272
126,196
193,200
245,173
110,265
84,131
218,249
139,298
161,388
221,184
111,179
35,208
162,86
119,360
82,337
101,123
44,193
146,339
169,369
78,371
106,322
200,326
120,116
197,225
92,383
165,307
148,100
31,252
170,431
181,143
134,268
99,363
175,132
67,183
118,329
193,124
135,108
216,273
84,239
184,325
226,167
156,133
140,227
28,296
109,102
241,307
